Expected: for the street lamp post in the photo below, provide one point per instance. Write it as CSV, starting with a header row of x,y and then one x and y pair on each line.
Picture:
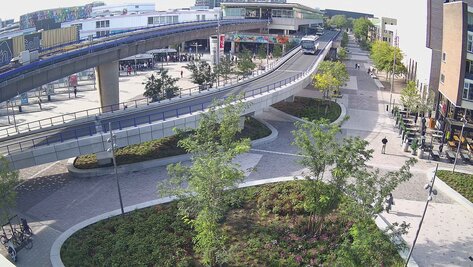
x,y
113,140
432,192
459,141
267,46
217,59
394,66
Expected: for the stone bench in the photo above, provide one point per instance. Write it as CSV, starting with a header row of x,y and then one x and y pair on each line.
x,y
379,84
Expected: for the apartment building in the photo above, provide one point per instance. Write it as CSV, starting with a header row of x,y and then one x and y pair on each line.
x,y
456,66
384,30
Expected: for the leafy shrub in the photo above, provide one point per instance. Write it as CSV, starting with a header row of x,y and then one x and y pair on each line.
x,y
164,147
312,109
157,236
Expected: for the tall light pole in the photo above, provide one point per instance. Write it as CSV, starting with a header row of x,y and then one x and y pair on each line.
x,y
217,59
432,192
459,141
267,45
113,144
394,71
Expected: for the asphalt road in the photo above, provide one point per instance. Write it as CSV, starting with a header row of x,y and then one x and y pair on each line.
x,y
293,66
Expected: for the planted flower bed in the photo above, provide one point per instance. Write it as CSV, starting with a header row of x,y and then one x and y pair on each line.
x,y
264,226
310,108
165,147
460,182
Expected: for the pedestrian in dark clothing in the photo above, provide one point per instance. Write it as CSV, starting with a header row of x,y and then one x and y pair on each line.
x,y
39,103
75,91
182,73
389,202
383,149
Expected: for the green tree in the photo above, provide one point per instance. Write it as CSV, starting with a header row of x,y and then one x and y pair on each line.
x,y
317,144
344,41
225,68
161,86
320,149
338,21
350,22
361,28
342,53
329,78
262,53
382,55
213,146
277,51
410,97
245,63
8,181
201,73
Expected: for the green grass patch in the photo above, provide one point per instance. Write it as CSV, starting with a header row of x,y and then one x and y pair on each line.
x,y
460,182
310,108
264,226
164,147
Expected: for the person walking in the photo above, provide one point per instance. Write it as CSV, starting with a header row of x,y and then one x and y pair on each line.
x,y
383,148
39,103
75,91
389,202
182,73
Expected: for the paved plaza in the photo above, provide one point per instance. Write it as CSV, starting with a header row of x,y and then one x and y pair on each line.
x,y
53,201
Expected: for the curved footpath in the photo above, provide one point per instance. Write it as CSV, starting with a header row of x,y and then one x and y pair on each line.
x,y
54,202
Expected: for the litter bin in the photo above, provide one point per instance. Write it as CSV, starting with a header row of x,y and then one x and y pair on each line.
x,y
20,109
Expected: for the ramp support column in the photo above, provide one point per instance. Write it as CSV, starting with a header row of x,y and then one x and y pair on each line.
x,y
107,82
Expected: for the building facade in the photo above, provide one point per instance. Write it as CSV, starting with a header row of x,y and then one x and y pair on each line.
x,y
456,65
286,18
384,30
104,25
207,3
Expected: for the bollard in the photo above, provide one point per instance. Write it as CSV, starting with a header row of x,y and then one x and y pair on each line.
x,y
387,107
20,109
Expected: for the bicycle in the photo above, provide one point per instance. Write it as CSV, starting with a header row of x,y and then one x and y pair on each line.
x,y
8,243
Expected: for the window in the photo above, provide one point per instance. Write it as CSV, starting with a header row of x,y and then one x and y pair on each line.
x,y
203,17
444,57
442,78
468,91
469,45
102,33
470,18
102,24
198,17
150,20
469,67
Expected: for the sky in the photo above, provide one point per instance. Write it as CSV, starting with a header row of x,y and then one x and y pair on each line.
x,y
16,8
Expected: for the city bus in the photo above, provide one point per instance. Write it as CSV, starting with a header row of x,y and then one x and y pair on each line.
x,y
310,44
